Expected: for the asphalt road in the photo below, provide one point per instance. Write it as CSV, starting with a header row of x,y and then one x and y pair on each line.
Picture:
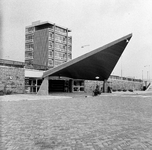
x,y
106,122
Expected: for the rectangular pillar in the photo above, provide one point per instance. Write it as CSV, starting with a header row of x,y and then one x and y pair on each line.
x,y
105,86
43,90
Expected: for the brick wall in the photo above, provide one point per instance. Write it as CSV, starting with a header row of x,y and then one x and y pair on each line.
x,y
12,79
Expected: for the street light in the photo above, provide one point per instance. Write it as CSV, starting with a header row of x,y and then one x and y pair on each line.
x,y
148,71
85,46
121,66
97,78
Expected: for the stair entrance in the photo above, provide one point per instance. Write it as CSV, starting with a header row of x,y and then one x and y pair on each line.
x,y
149,87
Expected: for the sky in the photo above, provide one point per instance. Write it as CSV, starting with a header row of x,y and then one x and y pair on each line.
x,y
93,23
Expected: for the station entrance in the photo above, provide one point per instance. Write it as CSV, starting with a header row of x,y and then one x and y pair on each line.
x,y
60,86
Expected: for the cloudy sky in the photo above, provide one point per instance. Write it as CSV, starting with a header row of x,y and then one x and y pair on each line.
x,y
93,22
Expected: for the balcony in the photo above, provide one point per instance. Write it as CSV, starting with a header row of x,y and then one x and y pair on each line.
x,y
28,57
60,32
51,29
28,40
70,40
30,30
28,49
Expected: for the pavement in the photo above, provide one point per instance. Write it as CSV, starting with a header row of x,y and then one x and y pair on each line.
x,y
19,97
57,95
111,121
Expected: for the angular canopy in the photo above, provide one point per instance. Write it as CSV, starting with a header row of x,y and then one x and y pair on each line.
x,y
97,63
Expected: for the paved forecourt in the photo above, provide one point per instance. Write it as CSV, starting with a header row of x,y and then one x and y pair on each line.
x,y
108,122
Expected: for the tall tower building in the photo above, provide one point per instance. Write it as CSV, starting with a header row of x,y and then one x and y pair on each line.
x,y
47,45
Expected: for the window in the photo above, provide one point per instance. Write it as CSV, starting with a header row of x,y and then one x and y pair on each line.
x,y
57,62
69,48
29,62
50,62
29,37
60,47
29,54
64,47
29,45
64,56
50,54
64,39
26,81
50,44
69,40
69,56
60,38
51,28
59,55
51,35
30,29
58,29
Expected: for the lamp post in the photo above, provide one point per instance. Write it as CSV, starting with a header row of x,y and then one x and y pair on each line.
x,y
85,46
148,72
121,66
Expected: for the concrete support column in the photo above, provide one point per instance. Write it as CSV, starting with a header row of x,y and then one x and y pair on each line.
x,y
105,86
44,87
36,86
71,85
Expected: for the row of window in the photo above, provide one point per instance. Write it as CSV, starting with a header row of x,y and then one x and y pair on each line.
x,y
59,55
28,55
29,37
56,63
33,82
60,38
60,47
29,46
58,29
30,29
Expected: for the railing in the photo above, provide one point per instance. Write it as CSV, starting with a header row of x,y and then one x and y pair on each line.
x,y
148,86
28,49
5,62
28,57
28,40
125,78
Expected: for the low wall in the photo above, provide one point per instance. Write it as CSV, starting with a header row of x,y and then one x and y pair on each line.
x,y
90,85
124,85
12,79
115,84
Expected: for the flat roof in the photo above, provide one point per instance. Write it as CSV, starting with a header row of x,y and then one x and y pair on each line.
x,y
31,73
11,62
97,63
47,23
